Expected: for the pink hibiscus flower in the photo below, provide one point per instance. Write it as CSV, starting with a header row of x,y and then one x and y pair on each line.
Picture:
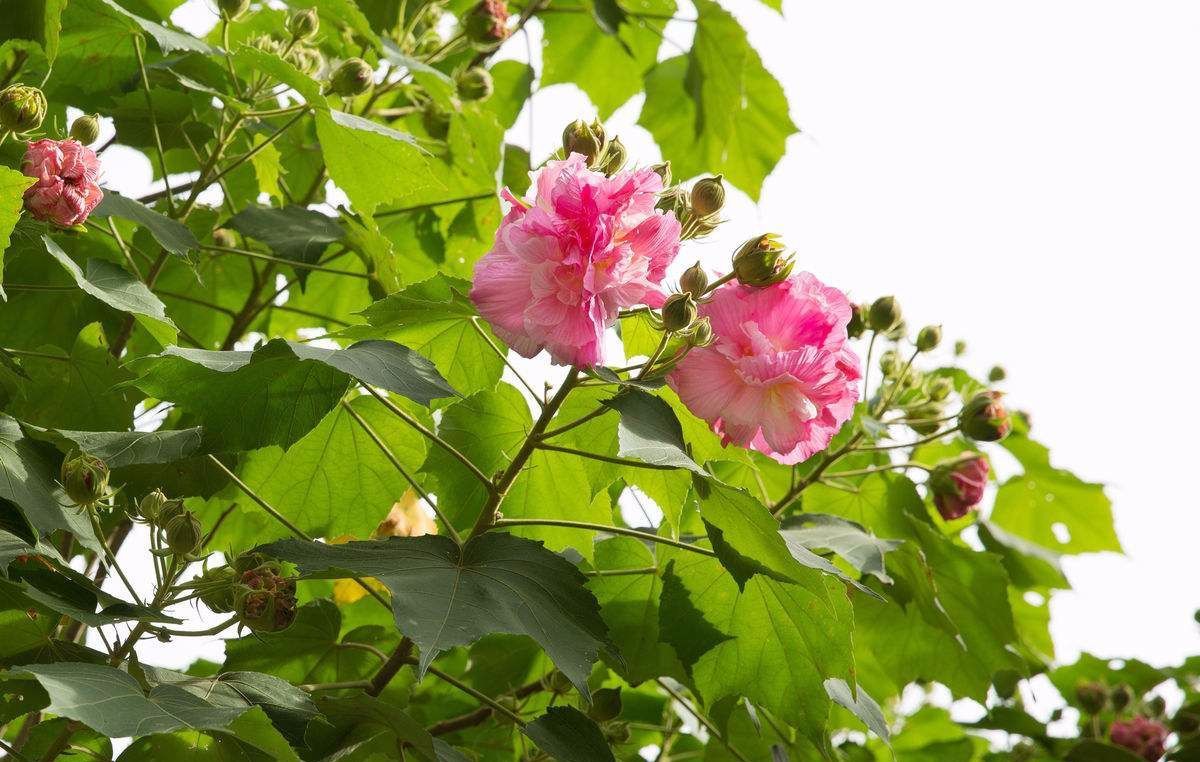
x,y
66,191
778,377
562,266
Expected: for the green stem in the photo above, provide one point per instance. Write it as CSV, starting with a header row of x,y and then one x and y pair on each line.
x,y
606,458
916,443
599,411
883,405
215,629
254,150
282,261
877,470
503,356
621,572
387,453
162,156
98,531
708,725
829,459
647,536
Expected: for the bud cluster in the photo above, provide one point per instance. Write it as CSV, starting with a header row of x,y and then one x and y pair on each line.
x,y
602,153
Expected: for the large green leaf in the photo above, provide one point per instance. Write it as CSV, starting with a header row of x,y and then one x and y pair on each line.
x,y
120,290
385,364
717,109
861,549
445,596
171,234
650,432
37,20
126,448
29,483
435,317
12,189
567,735
336,481
293,232
374,164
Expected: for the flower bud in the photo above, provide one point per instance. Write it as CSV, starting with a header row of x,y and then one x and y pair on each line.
x,y
957,485
762,261
306,58
890,364
940,388
663,170
170,510
486,24
708,195
679,312
701,334
984,418
1121,697
923,418
232,9
557,682
580,137
606,704
152,506
264,599
996,374
85,479
183,533
898,332
1144,737
614,157
22,108
352,78
1091,697
224,237
475,84
617,733
858,321
216,589
884,314
694,281
429,43
928,338
960,348
673,200
1156,706
86,129
303,24
436,120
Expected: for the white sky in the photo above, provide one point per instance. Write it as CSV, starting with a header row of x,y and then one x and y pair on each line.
x,y
1025,173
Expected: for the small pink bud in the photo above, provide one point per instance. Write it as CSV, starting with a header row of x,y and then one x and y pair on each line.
x,y
957,485
1142,736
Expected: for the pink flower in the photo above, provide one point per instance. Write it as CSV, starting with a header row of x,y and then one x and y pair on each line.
x,y
958,485
778,377
561,268
65,192
1142,736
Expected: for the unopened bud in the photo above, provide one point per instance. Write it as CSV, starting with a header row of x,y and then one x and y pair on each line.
x,y
694,281
957,485
1091,697
183,533
679,312
701,334
429,43
884,314
232,9
22,108
580,138
984,418
923,419
264,599
86,129
928,338
996,374
85,479
224,237
960,348
557,682
614,157
436,120
890,364
1156,707
606,704
663,170
486,24
303,24
151,507
673,200
617,733
352,78
858,321
1121,697
1187,720
475,84
762,261
940,388
708,196
306,58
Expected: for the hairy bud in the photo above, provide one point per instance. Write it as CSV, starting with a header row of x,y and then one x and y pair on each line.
x,y
984,418
923,418
154,505
929,337
216,589
486,24
679,312
614,157
306,58
762,261
701,334
86,129
85,479
303,24
858,321
1121,697
352,78
996,374
1092,697
884,314
940,388
475,84
22,108
708,195
694,281
183,533
582,138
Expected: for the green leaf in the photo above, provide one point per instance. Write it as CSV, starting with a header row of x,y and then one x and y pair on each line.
x,y
171,234
605,60
111,701
336,481
1098,751
567,735
860,704
650,432
169,40
385,364
251,59
293,232
786,640
74,595
1139,675
513,81
435,317
681,624
29,482
494,583
119,290
245,400
861,549
12,190
126,448
374,164
717,109
37,20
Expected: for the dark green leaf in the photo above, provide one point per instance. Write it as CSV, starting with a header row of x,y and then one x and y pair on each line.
x,y
126,448
292,233
444,596
385,364
650,432
29,482
171,234
567,735
1098,751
